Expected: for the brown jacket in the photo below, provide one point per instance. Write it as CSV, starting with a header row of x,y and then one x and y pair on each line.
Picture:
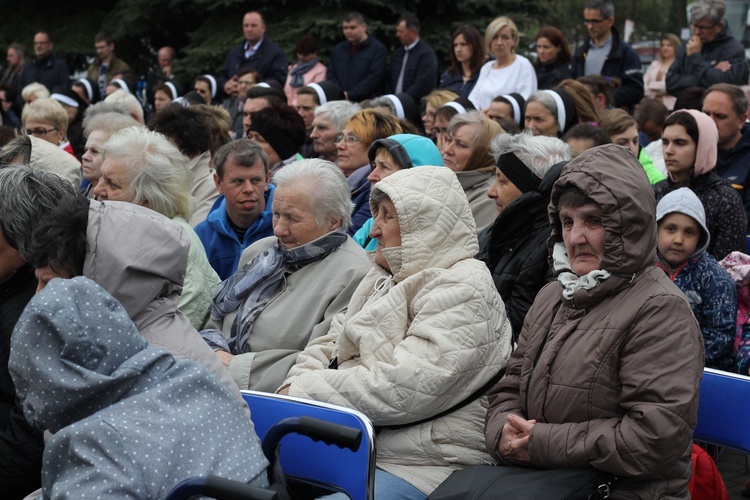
x,y
616,383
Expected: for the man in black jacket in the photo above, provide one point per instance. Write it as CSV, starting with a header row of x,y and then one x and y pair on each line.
x,y
414,64
606,54
358,64
711,56
46,68
257,52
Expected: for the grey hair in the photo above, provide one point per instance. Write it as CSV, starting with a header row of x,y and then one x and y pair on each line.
x,y
159,173
537,153
473,118
108,122
324,182
28,195
16,151
713,9
105,107
605,7
383,102
546,100
37,89
129,101
338,112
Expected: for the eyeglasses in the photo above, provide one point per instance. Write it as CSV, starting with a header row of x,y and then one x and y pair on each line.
x,y
38,132
697,27
593,22
348,139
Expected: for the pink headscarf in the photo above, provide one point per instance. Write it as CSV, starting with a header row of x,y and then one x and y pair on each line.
x,y
708,138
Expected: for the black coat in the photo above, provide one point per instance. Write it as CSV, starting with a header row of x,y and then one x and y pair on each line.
x,y
21,445
269,60
549,75
515,250
420,74
362,75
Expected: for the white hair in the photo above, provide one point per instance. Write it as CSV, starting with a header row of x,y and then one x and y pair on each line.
x,y
134,107
159,173
338,112
539,153
324,182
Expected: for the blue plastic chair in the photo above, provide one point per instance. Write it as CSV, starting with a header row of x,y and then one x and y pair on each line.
x,y
303,458
724,410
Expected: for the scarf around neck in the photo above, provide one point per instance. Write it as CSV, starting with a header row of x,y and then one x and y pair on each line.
x,y
571,282
298,73
251,288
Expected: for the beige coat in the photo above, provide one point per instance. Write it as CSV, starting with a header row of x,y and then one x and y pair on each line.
x,y
140,257
204,188
420,340
301,310
476,184
616,383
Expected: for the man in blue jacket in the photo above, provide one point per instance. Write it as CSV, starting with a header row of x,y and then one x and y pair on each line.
x,y
414,64
606,54
257,52
358,64
242,215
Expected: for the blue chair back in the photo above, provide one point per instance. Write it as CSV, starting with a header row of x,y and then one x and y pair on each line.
x,y
724,410
301,457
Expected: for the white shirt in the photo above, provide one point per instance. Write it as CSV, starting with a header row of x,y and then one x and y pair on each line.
x,y
519,77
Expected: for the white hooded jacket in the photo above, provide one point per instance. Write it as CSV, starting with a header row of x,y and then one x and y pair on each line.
x,y
419,340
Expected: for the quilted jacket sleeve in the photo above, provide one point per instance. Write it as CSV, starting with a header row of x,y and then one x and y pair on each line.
x,y
455,342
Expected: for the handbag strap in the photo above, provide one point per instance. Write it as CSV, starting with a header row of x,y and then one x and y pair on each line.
x,y
473,397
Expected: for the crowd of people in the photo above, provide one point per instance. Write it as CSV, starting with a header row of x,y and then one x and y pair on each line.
x,y
514,262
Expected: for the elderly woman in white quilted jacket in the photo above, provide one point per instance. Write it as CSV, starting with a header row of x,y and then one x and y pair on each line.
x,y
424,333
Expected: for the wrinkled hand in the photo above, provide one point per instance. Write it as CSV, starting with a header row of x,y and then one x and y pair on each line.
x,y
693,46
224,357
513,446
723,66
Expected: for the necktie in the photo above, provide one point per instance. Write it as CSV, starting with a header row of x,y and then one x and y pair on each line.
x,y
400,82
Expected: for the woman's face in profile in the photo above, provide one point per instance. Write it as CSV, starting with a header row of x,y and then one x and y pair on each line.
x,y
386,228
458,147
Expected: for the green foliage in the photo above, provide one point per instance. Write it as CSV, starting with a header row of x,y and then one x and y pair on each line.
x,y
203,30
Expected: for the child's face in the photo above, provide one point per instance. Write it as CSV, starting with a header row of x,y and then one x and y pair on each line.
x,y
678,238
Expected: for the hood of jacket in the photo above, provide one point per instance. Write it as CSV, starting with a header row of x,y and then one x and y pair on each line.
x,y
706,150
51,158
75,351
408,150
684,201
137,255
437,227
612,177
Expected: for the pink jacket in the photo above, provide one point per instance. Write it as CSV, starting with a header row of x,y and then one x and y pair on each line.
x,y
317,74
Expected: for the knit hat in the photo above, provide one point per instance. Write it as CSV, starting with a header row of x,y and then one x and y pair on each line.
x,y
287,137
708,137
327,91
